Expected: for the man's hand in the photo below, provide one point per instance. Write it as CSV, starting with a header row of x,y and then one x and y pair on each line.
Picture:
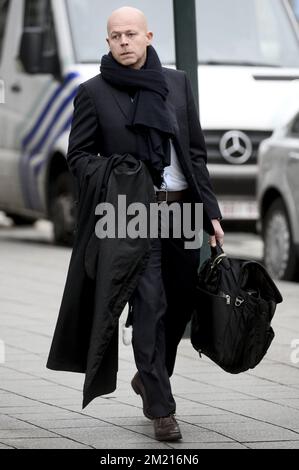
x,y
219,234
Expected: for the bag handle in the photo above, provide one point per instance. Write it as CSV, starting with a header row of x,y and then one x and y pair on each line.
x,y
218,256
216,250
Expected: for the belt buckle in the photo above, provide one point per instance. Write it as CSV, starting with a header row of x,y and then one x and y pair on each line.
x,y
164,189
166,200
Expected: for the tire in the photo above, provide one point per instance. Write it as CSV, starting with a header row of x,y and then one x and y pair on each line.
x,y
62,209
280,257
21,221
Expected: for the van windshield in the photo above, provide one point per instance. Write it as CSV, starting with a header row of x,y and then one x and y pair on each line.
x,y
229,32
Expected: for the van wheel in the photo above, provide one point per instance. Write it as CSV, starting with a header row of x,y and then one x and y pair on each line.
x,y
62,209
280,257
21,221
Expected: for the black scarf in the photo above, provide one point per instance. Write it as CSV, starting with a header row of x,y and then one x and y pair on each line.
x,y
150,118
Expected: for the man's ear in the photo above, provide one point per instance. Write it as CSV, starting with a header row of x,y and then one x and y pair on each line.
x,y
149,36
108,42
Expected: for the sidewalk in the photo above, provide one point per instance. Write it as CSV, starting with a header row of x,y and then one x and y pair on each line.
x,y
40,408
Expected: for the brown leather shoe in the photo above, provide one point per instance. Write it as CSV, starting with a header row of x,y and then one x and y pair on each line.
x,y
167,429
139,389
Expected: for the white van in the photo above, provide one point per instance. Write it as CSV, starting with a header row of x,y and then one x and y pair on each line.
x,y
248,53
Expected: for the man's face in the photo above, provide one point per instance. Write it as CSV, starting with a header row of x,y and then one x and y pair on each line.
x,y
128,39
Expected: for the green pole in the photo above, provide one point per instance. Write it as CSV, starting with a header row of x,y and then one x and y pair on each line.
x,y
186,59
186,40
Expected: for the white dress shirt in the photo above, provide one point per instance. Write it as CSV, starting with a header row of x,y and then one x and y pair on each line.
x,y
174,179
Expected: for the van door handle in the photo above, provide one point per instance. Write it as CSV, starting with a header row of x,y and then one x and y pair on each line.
x,y
294,155
16,88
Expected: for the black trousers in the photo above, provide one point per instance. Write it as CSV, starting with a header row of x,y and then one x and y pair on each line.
x,y
161,306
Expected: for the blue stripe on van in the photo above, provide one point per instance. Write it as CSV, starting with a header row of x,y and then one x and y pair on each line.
x,y
52,124
26,181
27,139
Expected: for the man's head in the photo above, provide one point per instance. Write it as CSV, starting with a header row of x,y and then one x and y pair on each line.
x,y
128,36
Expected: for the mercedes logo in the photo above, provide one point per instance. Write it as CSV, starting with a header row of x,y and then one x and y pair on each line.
x,y
236,147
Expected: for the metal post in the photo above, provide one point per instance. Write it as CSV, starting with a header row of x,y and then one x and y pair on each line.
x,y
186,40
187,59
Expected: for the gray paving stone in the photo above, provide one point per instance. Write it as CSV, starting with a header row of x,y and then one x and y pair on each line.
x,y
91,423
207,445
15,401
42,443
3,446
108,435
274,445
265,411
195,409
54,424
253,431
70,403
279,373
6,374
48,395
34,408
275,394
216,395
56,414
202,420
131,421
289,402
7,423
214,400
30,432
136,445
115,412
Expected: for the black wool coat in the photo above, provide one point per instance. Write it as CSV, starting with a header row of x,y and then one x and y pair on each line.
x,y
102,275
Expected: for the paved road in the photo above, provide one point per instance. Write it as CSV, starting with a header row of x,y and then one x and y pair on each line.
x,y
40,408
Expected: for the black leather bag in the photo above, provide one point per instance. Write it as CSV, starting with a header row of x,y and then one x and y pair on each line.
x,y
235,303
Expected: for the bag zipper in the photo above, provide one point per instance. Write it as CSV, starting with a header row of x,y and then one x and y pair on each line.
x,y
239,301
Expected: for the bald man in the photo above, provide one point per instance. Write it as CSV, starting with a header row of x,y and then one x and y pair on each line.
x,y
132,23
135,106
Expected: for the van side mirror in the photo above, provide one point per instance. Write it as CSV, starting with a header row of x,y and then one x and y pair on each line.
x,y
31,53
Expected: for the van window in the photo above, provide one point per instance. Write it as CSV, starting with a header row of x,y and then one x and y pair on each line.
x,y
249,32
4,4
89,27
38,13
245,32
